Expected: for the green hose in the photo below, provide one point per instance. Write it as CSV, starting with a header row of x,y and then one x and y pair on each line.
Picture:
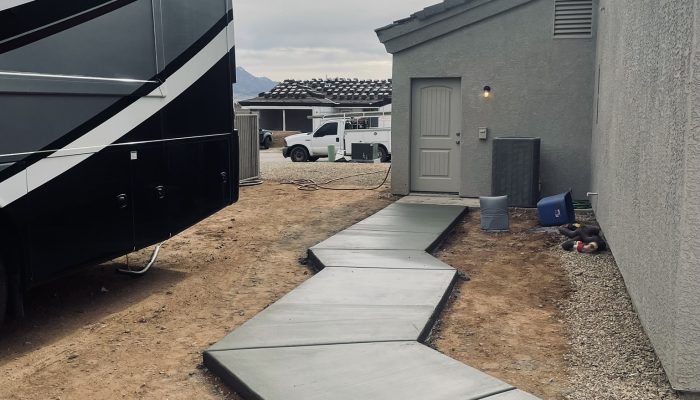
x,y
582,205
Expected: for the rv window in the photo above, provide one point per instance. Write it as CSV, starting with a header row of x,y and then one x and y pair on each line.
x,y
113,53
328,129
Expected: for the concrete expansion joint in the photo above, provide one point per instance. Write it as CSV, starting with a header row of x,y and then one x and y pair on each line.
x,y
356,329
307,345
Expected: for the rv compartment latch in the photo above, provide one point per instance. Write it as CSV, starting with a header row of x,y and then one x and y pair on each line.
x,y
122,201
160,192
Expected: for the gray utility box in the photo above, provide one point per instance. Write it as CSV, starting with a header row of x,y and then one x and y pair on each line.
x,y
365,152
516,170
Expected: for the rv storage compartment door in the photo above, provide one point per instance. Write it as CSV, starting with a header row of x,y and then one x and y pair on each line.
x,y
84,214
199,176
149,169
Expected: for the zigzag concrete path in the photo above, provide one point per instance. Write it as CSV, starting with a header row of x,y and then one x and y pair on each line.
x,y
354,330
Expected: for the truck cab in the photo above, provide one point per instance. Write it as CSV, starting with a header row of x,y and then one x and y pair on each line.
x,y
330,133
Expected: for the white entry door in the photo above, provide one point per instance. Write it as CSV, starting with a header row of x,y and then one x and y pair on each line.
x,y
436,124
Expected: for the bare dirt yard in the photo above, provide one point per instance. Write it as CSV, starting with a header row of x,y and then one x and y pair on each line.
x,y
505,320
100,335
279,136
529,314
559,325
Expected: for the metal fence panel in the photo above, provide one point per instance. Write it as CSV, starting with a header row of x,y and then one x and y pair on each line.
x,y
247,125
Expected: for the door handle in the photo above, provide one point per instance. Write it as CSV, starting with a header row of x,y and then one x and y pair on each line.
x,y
224,177
122,201
337,140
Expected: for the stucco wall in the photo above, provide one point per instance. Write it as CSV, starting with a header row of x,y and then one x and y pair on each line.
x,y
646,167
542,87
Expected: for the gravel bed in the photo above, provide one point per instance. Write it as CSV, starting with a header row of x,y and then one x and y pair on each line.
x,y
321,171
611,356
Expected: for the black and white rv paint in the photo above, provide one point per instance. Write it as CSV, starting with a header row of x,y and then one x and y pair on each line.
x,y
116,128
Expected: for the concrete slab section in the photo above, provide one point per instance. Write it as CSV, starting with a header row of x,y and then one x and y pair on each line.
x,y
377,287
417,210
379,240
401,223
445,216
282,325
512,395
368,371
389,259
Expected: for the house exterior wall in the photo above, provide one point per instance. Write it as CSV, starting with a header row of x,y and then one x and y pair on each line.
x,y
646,168
542,87
320,111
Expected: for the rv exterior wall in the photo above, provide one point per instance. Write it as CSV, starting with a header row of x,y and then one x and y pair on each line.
x,y
124,169
541,87
646,168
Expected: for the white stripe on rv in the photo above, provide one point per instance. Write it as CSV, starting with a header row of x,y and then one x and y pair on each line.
x,y
5,4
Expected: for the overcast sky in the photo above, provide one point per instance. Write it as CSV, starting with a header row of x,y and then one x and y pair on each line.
x,y
304,39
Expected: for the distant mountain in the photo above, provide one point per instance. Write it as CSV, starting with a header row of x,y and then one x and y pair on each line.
x,y
248,86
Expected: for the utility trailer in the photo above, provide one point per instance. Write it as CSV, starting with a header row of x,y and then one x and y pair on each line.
x,y
116,130
340,131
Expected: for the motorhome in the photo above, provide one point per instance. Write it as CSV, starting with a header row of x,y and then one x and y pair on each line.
x,y
116,130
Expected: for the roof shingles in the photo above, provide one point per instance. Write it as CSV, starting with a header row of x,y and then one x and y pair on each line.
x,y
337,91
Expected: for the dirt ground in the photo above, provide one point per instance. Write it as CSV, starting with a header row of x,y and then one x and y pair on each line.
x,y
279,136
97,334
505,320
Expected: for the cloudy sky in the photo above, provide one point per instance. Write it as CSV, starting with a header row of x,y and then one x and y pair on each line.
x,y
304,39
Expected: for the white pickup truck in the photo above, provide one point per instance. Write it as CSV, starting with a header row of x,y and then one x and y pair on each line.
x,y
340,133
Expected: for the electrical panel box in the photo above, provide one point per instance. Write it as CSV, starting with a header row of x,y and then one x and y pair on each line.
x,y
516,170
365,152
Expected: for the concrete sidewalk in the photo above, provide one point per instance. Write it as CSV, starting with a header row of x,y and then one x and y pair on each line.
x,y
354,330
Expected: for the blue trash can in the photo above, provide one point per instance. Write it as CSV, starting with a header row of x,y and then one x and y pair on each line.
x,y
556,210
